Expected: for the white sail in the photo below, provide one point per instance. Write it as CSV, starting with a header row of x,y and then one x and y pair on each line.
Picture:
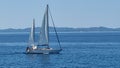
x,y
44,33
32,34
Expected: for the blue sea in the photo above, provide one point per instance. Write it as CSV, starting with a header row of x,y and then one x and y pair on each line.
x,y
80,50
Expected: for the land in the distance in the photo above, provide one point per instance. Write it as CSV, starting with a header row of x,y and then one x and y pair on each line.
x,y
63,29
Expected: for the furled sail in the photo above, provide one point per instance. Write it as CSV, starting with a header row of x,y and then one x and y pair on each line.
x,y
44,33
32,34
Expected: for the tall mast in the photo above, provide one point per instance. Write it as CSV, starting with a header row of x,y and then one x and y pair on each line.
x,y
47,23
33,29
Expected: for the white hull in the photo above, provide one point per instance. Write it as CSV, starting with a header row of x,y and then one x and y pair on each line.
x,y
43,51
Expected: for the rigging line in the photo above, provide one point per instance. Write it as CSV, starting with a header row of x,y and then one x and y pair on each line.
x,y
55,29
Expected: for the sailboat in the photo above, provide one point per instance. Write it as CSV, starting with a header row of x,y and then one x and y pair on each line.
x,y
43,46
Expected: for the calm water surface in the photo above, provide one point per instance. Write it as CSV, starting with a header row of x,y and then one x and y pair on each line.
x,y
80,50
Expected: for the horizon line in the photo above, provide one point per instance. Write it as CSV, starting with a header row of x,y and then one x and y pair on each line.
x,y
66,27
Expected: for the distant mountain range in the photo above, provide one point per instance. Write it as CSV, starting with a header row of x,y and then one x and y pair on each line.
x,y
63,29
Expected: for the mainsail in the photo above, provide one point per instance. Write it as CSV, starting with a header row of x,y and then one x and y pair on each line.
x,y
32,34
44,33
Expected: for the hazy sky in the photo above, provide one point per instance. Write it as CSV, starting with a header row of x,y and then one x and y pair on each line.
x,y
66,13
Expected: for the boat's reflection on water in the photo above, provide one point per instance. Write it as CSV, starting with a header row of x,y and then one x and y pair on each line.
x,y
39,59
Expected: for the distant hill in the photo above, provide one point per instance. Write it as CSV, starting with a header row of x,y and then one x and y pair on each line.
x,y
63,29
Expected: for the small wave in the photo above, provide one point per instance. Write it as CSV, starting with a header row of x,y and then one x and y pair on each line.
x,y
91,43
14,53
14,44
